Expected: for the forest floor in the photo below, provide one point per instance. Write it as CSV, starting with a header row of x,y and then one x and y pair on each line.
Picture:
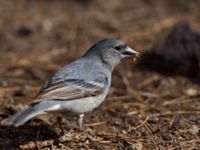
x,y
143,110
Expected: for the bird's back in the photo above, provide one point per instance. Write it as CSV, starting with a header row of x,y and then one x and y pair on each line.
x,y
82,68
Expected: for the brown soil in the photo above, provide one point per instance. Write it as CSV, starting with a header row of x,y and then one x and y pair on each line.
x,y
143,110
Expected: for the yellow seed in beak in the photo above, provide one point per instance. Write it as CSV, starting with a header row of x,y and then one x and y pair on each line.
x,y
134,59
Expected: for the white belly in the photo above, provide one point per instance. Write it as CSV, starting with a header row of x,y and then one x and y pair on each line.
x,y
83,105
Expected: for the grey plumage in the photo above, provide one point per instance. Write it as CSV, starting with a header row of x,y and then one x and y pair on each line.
x,y
80,86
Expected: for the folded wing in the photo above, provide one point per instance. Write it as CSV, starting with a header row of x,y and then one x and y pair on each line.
x,y
69,89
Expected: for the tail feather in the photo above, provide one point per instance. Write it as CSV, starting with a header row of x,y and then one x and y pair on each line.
x,y
23,116
20,117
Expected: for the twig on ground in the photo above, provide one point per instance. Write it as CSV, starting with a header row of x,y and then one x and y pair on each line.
x,y
140,125
37,144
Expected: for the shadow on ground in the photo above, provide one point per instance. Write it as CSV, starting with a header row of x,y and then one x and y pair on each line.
x,y
12,138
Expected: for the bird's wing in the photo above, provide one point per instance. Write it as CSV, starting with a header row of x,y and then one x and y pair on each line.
x,y
69,89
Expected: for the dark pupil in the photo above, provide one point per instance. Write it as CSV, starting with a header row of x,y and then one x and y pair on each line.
x,y
118,48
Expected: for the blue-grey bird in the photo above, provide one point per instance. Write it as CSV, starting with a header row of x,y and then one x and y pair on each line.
x,y
80,86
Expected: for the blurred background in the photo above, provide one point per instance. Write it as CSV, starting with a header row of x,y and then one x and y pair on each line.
x,y
146,108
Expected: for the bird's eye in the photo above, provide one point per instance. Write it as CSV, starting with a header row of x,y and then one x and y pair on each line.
x,y
118,48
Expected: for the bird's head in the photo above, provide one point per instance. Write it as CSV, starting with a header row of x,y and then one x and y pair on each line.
x,y
111,51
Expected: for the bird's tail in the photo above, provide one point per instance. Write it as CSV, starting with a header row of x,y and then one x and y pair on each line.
x,y
23,116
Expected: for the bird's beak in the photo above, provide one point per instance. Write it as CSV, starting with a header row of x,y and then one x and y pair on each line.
x,y
129,52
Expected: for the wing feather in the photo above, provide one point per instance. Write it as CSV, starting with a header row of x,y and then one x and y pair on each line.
x,y
69,89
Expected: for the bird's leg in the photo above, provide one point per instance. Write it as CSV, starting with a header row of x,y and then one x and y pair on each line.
x,y
80,121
